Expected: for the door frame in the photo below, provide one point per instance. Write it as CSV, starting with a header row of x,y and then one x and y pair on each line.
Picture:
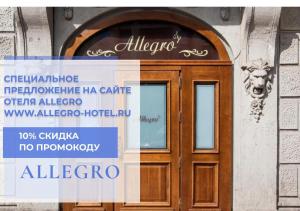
x,y
220,156
178,65
121,15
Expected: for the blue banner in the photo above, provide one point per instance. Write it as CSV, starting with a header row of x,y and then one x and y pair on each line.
x,y
60,142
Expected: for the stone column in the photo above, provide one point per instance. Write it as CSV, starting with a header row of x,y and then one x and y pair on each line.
x,y
7,48
255,109
34,31
25,32
289,102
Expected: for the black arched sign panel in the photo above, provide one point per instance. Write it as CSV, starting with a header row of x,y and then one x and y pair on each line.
x,y
148,40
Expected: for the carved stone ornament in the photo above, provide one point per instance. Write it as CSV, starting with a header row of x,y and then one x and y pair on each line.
x,y
258,84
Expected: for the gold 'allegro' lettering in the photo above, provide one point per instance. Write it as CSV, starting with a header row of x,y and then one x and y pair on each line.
x,y
140,45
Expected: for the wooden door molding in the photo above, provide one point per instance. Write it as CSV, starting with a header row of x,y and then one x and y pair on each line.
x,y
207,179
86,206
162,165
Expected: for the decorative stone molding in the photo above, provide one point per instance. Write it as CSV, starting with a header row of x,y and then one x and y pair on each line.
x,y
258,84
33,31
259,33
69,13
21,39
289,107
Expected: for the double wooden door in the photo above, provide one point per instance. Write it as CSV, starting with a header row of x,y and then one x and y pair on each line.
x,y
186,148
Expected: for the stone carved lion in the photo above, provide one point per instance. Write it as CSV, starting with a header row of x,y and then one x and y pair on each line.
x,y
258,80
258,84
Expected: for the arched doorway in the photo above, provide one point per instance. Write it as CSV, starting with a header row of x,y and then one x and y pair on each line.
x,y
186,81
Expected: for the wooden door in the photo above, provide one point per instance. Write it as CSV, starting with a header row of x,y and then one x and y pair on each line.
x,y
206,138
159,165
190,168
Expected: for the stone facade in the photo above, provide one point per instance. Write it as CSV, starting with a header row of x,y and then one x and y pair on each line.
x,y
289,95
7,48
7,32
266,153
22,33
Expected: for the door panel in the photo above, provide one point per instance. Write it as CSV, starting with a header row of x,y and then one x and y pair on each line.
x,y
87,207
206,167
159,141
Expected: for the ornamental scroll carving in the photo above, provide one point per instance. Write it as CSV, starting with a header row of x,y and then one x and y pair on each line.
x,y
258,79
141,44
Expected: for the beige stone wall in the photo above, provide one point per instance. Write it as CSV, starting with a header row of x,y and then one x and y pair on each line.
x,y
7,32
7,48
289,102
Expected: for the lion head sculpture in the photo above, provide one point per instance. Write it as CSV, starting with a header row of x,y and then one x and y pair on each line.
x,y
258,79
258,83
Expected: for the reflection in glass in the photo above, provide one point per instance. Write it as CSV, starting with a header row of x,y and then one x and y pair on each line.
x,y
205,116
153,115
